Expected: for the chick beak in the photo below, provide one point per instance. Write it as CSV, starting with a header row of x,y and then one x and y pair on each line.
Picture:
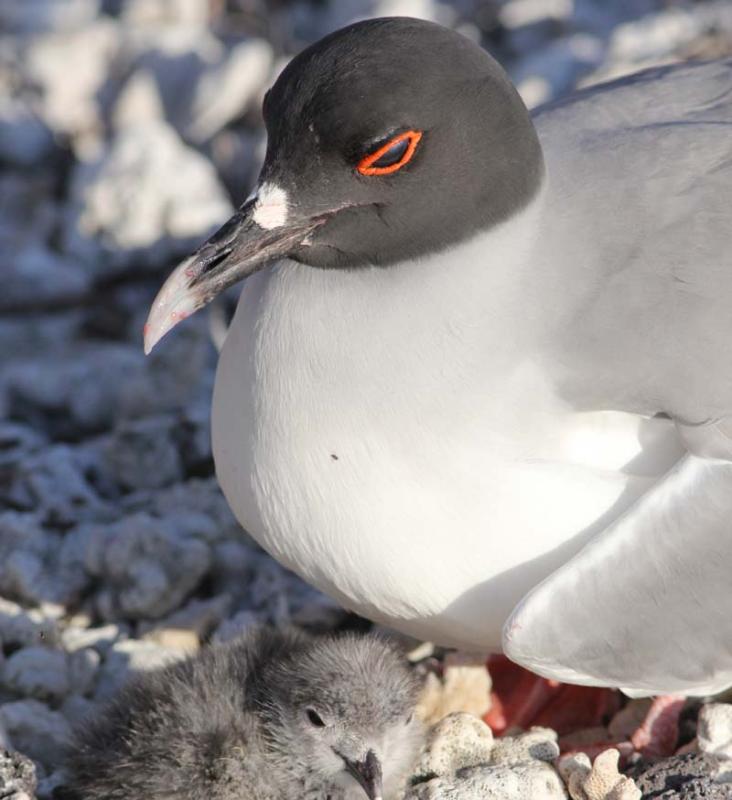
x,y
368,774
238,249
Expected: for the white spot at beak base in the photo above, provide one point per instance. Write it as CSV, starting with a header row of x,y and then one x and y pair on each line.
x,y
271,208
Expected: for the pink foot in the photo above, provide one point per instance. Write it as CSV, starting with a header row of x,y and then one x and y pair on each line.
x,y
522,699
657,735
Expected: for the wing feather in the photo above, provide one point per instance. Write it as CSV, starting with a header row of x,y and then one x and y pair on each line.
x,y
645,606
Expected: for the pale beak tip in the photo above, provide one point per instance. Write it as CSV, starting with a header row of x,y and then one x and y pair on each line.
x,y
152,334
174,302
147,339
155,328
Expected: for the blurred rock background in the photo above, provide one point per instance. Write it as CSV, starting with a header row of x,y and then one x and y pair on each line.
x,y
129,130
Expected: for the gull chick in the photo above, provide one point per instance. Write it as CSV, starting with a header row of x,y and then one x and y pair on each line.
x,y
270,716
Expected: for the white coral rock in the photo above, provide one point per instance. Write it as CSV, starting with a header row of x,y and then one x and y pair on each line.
x,y
37,672
460,760
465,686
35,730
538,744
144,200
600,781
25,626
533,780
459,740
70,68
714,731
138,102
229,88
152,13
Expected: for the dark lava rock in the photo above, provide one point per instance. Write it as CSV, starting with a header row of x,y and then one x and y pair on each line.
x,y
686,777
17,776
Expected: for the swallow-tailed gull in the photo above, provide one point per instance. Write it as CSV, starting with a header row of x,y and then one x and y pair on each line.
x,y
479,382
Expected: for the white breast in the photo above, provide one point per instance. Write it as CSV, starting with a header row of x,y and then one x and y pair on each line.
x,y
394,436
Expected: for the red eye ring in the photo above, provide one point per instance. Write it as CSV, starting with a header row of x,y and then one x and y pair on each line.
x,y
365,165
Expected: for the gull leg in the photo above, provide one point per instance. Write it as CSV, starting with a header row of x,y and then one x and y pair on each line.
x,y
521,699
657,735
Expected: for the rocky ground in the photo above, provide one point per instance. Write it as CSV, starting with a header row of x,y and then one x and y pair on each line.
x,y
462,761
129,129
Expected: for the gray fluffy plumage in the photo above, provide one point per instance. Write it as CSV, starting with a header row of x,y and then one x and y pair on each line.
x,y
271,715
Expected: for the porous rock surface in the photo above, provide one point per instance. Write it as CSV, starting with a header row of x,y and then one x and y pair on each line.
x,y
714,730
17,776
599,780
460,759
692,776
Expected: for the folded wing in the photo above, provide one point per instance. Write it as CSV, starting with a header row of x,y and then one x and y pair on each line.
x,y
646,605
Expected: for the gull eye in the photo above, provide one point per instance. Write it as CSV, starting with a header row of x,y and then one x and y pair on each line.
x,y
315,718
390,156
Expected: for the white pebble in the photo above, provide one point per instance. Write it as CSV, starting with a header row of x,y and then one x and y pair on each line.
x,y
37,672
714,729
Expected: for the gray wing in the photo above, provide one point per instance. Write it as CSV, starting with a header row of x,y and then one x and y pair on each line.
x,y
641,178
646,605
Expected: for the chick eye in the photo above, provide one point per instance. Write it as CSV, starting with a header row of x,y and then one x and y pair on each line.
x,y
390,156
409,719
315,718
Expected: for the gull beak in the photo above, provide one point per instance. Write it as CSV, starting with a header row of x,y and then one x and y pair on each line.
x,y
368,774
239,248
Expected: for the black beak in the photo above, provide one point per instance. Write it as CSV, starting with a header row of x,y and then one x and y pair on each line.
x,y
238,249
368,774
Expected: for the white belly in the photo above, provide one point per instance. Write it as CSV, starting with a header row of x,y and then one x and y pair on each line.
x,y
406,459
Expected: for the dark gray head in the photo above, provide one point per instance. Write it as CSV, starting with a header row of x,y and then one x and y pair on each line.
x,y
337,102
387,140
343,708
